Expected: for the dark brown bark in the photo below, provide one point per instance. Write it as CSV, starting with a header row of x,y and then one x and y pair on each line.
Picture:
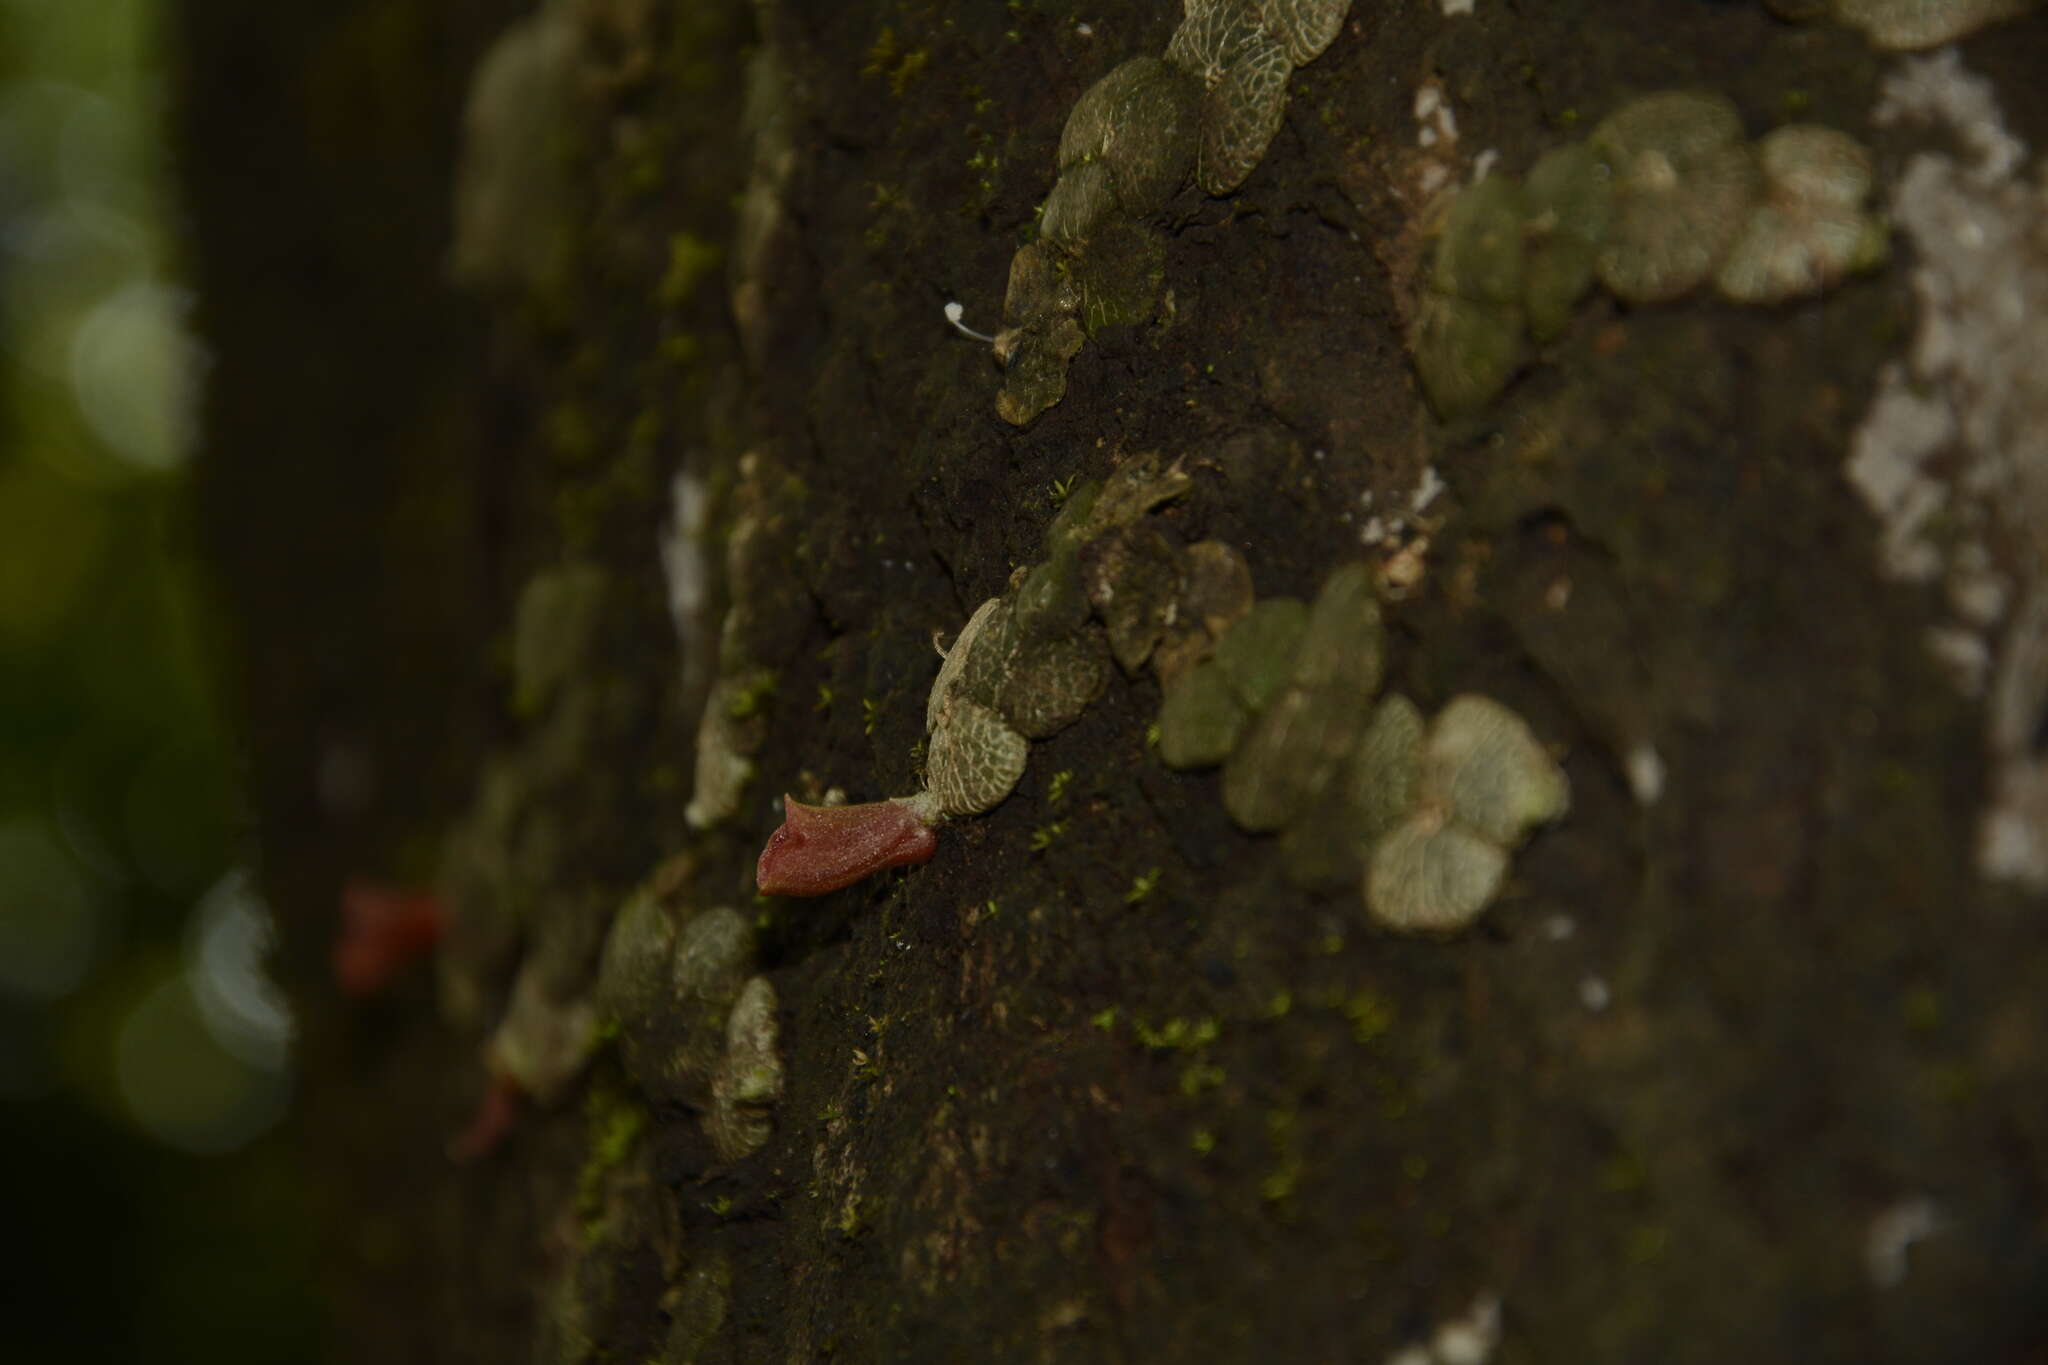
x,y
1031,1112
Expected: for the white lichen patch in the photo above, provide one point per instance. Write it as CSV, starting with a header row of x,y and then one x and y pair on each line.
x,y
1952,455
1468,1339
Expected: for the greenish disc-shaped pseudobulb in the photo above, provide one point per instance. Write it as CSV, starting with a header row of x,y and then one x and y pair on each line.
x,y
1384,777
633,972
1212,35
1051,602
1256,655
1037,375
1467,340
1140,122
1479,255
1200,719
748,1081
1118,276
1328,844
675,1037
953,671
1684,180
1466,352
1485,766
1073,524
1288,756
1343,644
1427,875
1040,288
1051,682
1134,578
1809,230
1081,198
1217,594
1240,114
1304,27
1569,204
1910,25
974,759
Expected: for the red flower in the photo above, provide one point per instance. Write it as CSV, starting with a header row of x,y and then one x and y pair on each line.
x,y
383,929
822,848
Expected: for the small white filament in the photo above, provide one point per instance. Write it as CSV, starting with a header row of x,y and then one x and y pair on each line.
x,y
954,311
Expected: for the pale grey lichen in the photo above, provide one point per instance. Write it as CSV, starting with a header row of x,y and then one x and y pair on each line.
x,y
1684,181
1809,229
1952,455
1907,25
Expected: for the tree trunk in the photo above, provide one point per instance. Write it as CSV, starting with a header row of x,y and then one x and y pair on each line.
x,y
574,368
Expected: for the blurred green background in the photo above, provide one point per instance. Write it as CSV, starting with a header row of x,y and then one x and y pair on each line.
x,y
144,1058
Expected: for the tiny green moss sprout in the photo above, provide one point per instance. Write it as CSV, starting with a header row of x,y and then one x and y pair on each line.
x,y
1142,887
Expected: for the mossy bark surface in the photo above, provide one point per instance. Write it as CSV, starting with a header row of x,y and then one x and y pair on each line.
x,y
1096,1083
